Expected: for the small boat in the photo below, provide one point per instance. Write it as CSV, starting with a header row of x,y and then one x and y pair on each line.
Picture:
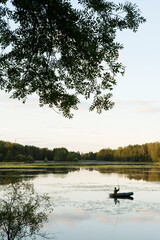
x,y
121,195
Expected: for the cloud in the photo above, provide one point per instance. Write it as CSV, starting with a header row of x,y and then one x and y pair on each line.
x,y
146,216
10,103
140,106
70,218
78,215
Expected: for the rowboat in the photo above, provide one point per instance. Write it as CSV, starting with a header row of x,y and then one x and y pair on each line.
x,y
121,195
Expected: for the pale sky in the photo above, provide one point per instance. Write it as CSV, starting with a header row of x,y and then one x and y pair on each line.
x,y
135,118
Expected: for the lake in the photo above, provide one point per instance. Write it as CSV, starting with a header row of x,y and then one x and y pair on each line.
x,y
82,208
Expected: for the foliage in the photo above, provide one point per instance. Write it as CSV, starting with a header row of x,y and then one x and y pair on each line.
x,y
22,212
89,156
105,155
21,158
16,152
59,52
46,159
134,153
72,156
9,156
61,154
30,159
154,151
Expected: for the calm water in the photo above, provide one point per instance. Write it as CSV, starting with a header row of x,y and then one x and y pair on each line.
x,y
82,208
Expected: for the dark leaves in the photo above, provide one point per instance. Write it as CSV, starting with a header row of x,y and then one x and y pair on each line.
x,y
60,52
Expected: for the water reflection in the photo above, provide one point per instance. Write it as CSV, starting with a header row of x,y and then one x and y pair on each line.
x,y
22,211
147,173
117,200
83,209
140,172
12,177
9,176
134,172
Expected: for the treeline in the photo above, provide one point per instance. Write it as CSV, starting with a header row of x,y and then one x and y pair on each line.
x,y
19,153
149,152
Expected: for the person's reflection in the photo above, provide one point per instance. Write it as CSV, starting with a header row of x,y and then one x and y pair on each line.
x,y
23,212
124,198
116,201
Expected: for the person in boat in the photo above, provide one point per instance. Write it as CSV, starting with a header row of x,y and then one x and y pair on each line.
x,y
116,190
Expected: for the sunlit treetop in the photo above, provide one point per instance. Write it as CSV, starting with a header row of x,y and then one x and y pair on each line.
x,y
61,53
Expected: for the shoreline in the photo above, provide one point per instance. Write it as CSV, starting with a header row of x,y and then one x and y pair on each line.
x,y
82,164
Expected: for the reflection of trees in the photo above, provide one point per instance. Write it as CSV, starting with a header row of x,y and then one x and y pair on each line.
x,y
146,173
63,170
23,212
7,177
138,173
24,174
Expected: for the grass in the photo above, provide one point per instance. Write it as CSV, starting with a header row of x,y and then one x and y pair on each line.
x,y
82,163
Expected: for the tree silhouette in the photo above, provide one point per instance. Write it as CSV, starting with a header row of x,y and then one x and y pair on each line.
x,y
60,52
23,212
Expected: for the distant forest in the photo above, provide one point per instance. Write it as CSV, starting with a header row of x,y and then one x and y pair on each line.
x,y
13,152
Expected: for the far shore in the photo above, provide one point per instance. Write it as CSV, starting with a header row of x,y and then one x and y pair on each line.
x,y
82,163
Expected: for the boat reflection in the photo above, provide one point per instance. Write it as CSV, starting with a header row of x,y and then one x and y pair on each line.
x,y
117,200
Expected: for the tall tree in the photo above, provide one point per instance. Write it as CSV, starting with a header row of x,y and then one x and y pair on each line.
x,y
50,48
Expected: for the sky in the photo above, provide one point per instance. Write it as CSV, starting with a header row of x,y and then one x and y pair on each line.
x,y
135,118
